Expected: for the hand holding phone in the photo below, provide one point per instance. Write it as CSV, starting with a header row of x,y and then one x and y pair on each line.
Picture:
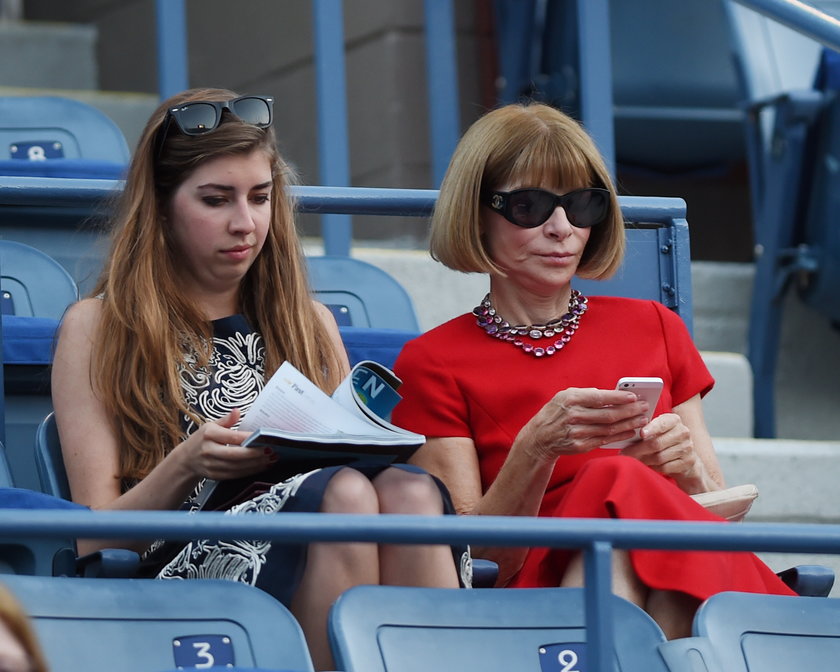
x,y
647,389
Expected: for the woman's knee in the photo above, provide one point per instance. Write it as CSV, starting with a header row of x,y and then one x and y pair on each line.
x,y
401,491
349,491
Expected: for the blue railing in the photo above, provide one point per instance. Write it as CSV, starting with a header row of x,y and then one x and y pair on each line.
x,y
596,539
46,193
801,17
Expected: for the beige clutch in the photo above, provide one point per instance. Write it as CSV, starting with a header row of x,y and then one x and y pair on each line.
x,y
731,503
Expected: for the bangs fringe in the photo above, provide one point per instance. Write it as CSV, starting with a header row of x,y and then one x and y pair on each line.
x,y
548,160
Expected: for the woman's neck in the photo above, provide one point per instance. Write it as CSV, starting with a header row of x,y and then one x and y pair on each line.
x,y
520,306
215,306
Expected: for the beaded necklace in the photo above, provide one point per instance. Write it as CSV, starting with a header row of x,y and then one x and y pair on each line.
x,y
563,328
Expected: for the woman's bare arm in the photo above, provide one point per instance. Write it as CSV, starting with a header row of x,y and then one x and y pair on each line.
x,y
89,443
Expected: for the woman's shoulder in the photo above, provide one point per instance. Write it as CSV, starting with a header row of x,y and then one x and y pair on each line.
x,y
446,343
83,313
622,306
322,311
642,314
620,302
448,330
78,329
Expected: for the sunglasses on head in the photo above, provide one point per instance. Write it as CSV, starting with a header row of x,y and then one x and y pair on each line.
x,y
204,116
530,208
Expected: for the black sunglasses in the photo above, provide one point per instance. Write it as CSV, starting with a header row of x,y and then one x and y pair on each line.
x,y
204,116
530,208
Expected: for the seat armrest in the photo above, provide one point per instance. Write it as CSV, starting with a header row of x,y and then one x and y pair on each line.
x,y
485,573
111,563
809,580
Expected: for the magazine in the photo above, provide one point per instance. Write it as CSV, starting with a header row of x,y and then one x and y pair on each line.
x,y
308,428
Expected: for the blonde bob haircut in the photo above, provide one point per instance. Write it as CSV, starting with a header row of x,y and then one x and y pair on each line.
x,y
149,329
512,147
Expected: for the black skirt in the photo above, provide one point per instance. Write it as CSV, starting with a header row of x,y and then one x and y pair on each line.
x,y
271,566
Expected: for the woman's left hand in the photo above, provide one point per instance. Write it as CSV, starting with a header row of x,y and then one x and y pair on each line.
x,y
666,447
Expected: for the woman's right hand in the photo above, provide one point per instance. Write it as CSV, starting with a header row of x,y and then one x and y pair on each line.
x,y
577,420
214,451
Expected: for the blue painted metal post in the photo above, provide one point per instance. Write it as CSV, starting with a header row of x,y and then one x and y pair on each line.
x,y
442,82
517,41
775,234
680,249
171,18
600,638
331,88
596,75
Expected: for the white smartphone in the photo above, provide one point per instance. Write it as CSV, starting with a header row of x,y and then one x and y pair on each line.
x,y
647,389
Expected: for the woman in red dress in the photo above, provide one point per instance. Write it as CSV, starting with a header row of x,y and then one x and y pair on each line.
x,y
518,397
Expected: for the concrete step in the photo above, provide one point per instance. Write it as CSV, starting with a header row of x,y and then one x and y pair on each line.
x,y
48,55
128,110
797,483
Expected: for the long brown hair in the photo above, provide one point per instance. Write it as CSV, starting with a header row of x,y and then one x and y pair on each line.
x,y
522,144
148,326
15,618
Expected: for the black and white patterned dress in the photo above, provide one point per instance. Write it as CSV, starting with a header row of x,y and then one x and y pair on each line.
x,y
233,379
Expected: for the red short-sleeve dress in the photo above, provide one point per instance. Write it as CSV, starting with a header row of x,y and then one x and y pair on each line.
x,y
459,382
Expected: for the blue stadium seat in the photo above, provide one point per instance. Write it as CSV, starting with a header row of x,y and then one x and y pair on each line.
x,y
361,294
5,470
686,100
36,290
791,126
379,345
397,629
35,556
33,284
657,266
49,460
232,668
144,625
742,632
43,129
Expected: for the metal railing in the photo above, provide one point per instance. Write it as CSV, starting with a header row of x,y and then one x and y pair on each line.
x,y
595,537
801,17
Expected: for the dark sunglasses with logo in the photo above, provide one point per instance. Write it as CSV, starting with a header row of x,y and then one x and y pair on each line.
x,y
530,208
204,116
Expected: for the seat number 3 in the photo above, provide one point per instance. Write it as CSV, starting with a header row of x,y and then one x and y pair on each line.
x,y
201,652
